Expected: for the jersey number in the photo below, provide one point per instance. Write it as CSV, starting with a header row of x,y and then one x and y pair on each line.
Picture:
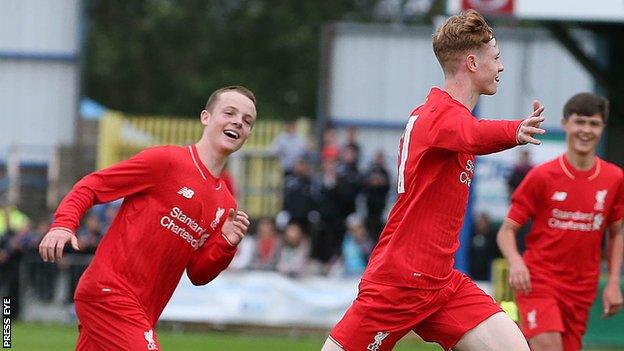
x,y
403,153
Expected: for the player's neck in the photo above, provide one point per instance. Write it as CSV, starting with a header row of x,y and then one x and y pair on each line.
x,y
581,162
214,161
461,90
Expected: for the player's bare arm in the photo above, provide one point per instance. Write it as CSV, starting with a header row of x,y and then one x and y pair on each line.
x,y
519,275
612,295
531,126
53,243
235,226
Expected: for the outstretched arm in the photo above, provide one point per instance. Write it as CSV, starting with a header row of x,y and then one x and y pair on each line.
x,y
460,132
217,253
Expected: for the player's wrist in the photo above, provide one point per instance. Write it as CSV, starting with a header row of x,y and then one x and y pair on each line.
x,y
613,279
515,260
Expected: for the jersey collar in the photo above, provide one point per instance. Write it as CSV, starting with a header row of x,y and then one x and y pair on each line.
x,y
201,168
574,173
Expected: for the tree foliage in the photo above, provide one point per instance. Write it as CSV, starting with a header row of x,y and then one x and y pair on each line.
x,y
165,57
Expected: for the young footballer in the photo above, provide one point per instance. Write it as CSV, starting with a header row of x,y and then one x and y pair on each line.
x,y
410,283
177,215
572,200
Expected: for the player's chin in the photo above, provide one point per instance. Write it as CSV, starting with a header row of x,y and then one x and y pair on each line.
x,y
490,90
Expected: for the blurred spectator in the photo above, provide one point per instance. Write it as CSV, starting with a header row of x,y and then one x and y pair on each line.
x,y
294,254
352,143
288,147
356,246
329,198
376,187
43,276
521,168
89,236
349,179
298,201
11,218
13,244
267,245
331,149
483,248
245,252
110,212
227,178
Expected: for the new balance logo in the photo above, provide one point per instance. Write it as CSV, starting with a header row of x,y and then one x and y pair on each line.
x,y
186,192
559,196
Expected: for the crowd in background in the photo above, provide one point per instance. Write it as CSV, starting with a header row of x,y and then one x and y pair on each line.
x,y
333,212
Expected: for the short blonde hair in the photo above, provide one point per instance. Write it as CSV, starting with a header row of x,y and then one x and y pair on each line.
x,y
212,100
458,34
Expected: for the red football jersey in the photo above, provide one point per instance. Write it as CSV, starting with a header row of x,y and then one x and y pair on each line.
x,y
170,219
570,211
436,165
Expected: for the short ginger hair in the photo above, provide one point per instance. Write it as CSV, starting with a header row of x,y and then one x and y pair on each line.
x,y
457,35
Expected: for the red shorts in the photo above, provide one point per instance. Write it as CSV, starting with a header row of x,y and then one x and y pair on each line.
x,y
546,311
117,325
383,314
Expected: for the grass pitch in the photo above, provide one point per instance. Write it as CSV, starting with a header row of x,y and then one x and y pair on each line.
x,y
57,337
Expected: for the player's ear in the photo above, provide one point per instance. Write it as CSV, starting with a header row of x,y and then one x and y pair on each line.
x,y
471,62
204,117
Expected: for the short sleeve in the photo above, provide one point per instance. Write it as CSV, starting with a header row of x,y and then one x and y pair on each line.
x,y
524,199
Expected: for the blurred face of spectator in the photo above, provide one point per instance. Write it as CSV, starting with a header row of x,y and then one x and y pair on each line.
x,y
380,158
42,227
111,212
266,228
293,235
301,167
524,158
329,136
349,155
483,223
352,135
358,231
291,127
329,166
93,223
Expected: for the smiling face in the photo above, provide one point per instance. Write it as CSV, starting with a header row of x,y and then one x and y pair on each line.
x,y
583,133
487,68
229,121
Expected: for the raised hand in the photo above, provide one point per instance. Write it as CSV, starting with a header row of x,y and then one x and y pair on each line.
x,y
531,126
52,244
235,226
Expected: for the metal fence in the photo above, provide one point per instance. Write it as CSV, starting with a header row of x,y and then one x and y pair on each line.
x,y
257,174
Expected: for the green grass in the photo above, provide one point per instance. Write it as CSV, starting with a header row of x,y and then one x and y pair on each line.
x,y
55,337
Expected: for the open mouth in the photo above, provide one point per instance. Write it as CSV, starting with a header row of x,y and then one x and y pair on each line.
x,y
231,134
497,79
